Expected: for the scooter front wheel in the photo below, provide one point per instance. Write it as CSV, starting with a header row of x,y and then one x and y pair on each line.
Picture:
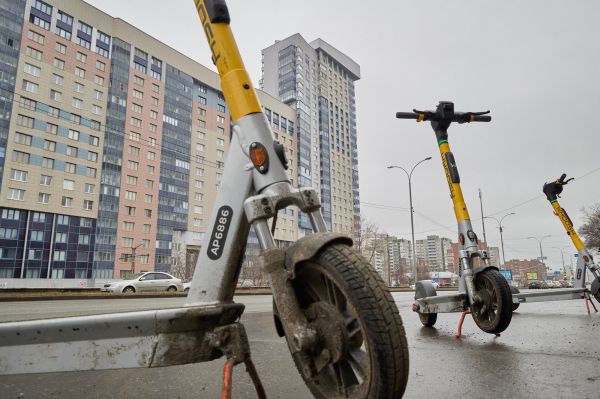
x,y
493,312
362,350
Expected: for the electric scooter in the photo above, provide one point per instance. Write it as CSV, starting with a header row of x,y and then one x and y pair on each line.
x,y
341,324
482,291
585,261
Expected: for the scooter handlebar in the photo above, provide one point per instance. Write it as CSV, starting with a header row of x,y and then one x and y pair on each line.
x,y
460,117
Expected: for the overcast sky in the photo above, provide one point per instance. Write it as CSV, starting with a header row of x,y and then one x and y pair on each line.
x,y
535,64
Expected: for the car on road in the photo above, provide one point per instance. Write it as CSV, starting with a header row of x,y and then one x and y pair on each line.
x,y
146,282
186,286
534,284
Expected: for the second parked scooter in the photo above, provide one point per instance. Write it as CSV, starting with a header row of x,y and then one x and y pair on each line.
x,y
482,291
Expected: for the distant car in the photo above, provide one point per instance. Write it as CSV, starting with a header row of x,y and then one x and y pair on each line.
x,y
186,286
566,284
554,284
146,282
534,284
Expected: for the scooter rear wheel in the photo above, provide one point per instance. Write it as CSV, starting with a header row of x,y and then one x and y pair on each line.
x,y
494,313
362,350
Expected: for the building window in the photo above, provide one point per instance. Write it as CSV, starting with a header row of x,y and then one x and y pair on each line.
x,y
20,157
147,213
135,122
37,235
8,234
99,80
70,167
78,87
101,66
220,119
30,87
151,155
133,136
150,184
128,226
60,237
59,256
60,64
133,165
77,103
36,37
45,180
92,156
131,195
220,130
56,95
72,151
43,198
88,205
51,128
95,141
67,202
96,109
91,172
85,222
148,199
47,163
18,175
68,185
89,188
32,70
49,145
23,139
147,228
221,108
11,214
33,53
138,80
16,194
62,219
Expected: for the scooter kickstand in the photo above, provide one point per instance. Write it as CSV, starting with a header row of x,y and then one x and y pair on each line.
x,y
460,322
232,341
588,300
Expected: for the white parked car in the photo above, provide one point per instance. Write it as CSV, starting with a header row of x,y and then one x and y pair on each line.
x,y
146,282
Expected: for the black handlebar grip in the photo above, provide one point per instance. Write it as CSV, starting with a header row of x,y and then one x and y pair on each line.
x,y
562,178
406,115
482,118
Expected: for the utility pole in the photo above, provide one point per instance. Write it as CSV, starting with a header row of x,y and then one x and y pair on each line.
x,y
131,257
482,219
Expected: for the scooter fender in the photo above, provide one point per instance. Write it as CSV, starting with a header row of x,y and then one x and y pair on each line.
x,y
308,246
480,269
303,249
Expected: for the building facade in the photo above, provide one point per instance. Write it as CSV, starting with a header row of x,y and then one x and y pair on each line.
x,y
317,80
433,252
112,145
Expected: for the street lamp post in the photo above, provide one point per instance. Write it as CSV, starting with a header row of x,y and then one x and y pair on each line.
x,y
412,224
539,240
500,228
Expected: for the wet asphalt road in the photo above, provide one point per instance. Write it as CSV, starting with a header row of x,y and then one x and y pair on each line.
x,y
550,350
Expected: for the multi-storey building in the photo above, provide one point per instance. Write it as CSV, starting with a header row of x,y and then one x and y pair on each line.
x,y
112,144
401,261
432,251
318,81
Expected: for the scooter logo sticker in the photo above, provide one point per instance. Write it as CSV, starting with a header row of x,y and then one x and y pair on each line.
x,y
219,233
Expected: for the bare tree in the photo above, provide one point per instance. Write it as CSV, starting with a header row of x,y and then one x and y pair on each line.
x,y
183,263
591,227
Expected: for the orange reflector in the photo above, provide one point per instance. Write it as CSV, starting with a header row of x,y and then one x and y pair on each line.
x,y
461,238
258,155
586,259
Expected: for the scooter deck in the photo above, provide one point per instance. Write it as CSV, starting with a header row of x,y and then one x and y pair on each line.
x,y
152,338
561,294
442,304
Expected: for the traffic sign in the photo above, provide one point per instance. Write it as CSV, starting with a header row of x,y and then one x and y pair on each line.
x,y
507,274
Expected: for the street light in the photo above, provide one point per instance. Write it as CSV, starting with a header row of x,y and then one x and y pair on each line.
x,y
412,225
500,228
539,240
